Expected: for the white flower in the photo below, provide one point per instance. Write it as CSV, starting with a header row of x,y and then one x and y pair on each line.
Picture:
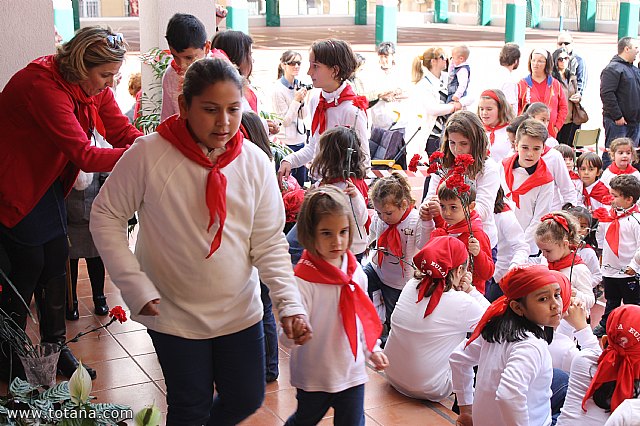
x,y
148,416
80,385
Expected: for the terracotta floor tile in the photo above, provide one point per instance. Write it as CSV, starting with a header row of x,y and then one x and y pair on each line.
x,y
97,349
127,326
136,342
117,373
284,378
149,363
379,393
408,413
136,396
283,403
263,417
83,324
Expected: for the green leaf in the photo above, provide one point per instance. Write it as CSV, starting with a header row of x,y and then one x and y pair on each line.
x,y
58,393
21,388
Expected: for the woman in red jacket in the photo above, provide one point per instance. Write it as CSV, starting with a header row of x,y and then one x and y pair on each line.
x,y
540,86
49,113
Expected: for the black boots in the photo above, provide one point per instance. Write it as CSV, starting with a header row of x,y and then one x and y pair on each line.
x,y
67,364
100,304
72,311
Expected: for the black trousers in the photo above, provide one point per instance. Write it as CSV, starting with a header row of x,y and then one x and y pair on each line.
x,y
617,290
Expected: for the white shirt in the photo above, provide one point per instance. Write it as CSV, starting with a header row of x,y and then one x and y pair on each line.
x,y
501,147
487,184
326,363
513,384
613,266
627,414
563,348
590,259
564,190
292,112
595,204
607,175
167,190
512,248
508,83
414,339
581,281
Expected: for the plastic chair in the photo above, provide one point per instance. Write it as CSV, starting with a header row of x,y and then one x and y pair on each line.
x,y
584,138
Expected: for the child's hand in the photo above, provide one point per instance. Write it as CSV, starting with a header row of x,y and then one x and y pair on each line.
x,y
297,328
283,172
474,246
151,308
629,271
576,315
465,282
351,190
379,360
274,127
434,207
425,213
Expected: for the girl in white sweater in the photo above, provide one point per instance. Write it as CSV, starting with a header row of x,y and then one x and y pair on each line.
x,y
330,371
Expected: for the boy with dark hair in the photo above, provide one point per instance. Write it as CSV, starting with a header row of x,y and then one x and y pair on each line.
x,y
507,82
619,231
187,39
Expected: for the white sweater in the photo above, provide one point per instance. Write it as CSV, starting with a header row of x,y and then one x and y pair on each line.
x,y
199,298
627,414
513,384
414,234
564,191
501,147
607,175
414,339
344,114
590,259
581,282
325,363
512,249
292,112
487,184
613,266
563,348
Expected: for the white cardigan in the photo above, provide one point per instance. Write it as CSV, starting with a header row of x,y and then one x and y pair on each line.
x,y
199,298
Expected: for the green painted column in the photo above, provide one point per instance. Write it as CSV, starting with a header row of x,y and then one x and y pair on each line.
x,y
361,12
516,22
76,14
273,13
533,13
588,15
441,14
386,21
238,15
628,22
484,14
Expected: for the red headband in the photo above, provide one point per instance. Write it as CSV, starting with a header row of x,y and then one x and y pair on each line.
x,y
560,220
490,94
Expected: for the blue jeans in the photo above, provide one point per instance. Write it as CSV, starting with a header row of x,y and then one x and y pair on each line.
x,y
390,295
559,385
613,131
348,407
234,364
270,334
300,173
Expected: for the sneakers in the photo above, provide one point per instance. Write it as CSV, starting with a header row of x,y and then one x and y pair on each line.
x,y
599,330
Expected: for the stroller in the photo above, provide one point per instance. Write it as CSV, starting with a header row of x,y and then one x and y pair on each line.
x,y
388,148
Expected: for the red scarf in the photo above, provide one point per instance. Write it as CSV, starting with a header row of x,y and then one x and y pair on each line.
x,y
319,121
353,300
599,193
390,239
517,283
620,360
613,232
252,98
566,262
616,171
461,228
176,132
540,177
175,67
492,131
573,175
75,91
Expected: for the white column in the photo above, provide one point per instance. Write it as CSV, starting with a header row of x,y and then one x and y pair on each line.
x,y
27,33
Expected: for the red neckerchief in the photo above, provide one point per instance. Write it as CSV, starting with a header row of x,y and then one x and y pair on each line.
x,y
566,262
176,132
492,131
360,184
613,233
319,121
175,67
353,300
505,208
599,193
461,227
540,177
75,91
390,239
616,170
573,175
252,98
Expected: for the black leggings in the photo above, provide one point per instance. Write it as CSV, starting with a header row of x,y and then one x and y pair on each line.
x,y
96,271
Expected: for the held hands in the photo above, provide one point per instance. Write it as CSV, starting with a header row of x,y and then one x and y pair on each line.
x,y
474,246
297,328
283,172
379,360
151,308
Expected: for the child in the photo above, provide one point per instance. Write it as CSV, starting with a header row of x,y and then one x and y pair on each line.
x,y
459,74
624,154
541,112
512,248
527,181
465,134
187,39
513,384
399,232
569,156
196,315
330,370
331,63
594,193
558,236
135,90
620,231
434,312
495,113
587,248
452,221
601,380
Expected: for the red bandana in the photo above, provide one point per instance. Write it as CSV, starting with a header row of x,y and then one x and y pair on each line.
x,y
613,232
176,132
620,360
461,228
390,239
319,121
75,91
573,175
599,193
517,283
353,300
540,177
616,171
566,262
252,98
492,131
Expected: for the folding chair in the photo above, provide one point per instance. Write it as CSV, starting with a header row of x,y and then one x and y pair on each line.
x,y
585,138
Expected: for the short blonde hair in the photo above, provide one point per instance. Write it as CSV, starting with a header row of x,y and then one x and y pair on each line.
x,y
618,142
89,47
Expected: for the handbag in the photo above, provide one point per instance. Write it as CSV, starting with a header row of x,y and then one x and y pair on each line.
x,y
579,116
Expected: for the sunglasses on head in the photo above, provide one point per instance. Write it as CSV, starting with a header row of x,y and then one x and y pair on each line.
x,y
115,40
564,43
294,63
